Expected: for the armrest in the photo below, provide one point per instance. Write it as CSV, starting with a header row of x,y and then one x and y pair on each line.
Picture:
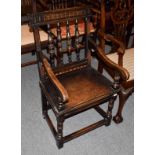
x,y
108,37
124,74
55,81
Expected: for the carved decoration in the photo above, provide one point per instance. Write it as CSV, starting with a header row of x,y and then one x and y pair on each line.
x,y
122,13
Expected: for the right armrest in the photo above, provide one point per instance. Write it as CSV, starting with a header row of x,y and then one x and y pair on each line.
x,y
124,74
55,81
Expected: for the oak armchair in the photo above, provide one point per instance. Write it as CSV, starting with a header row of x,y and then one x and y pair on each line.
x,y
69,88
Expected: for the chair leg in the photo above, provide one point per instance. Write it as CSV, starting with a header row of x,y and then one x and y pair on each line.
x,y
109,111
100,67
59,138
123,96
44,105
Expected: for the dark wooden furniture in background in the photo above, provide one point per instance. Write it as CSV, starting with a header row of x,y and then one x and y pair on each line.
x,y
105,22
73,87
26,8
123,18
121,15
27,38
28,45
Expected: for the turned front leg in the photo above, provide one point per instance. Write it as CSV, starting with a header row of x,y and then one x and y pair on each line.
x,y
59,138
109,111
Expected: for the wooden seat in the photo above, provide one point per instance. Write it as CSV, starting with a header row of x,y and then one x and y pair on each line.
x,y
71,87
94,87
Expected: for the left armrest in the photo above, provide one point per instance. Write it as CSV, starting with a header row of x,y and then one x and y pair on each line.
x,y
55,81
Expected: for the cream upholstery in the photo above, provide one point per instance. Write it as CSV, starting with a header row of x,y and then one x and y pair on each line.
x,y
128,61
27,36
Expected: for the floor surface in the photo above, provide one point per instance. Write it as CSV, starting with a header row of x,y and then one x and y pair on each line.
x,y
117,139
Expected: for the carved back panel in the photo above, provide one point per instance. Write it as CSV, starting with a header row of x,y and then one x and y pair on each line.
x,y
122,15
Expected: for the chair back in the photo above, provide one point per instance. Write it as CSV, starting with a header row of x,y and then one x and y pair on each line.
x,y
61,23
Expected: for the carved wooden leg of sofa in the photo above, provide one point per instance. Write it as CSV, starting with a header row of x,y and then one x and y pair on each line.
x,y
59,138
123,96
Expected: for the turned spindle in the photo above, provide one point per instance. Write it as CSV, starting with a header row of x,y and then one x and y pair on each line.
x,y
59,44
86,36
68,36
51,49
77,40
